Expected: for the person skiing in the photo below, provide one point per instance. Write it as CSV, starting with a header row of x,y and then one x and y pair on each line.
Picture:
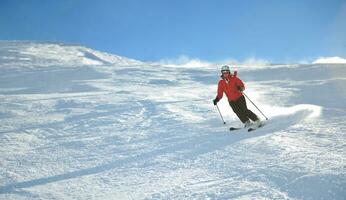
x,y
233,87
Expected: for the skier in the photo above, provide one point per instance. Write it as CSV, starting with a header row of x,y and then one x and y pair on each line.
x,y
233,87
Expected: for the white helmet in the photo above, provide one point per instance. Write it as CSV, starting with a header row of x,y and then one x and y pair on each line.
x,y
225,68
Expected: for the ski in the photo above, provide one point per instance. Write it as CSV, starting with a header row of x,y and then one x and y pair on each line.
x,y
254,127
234,128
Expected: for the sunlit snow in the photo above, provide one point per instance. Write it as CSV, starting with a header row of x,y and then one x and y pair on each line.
x,y
330,60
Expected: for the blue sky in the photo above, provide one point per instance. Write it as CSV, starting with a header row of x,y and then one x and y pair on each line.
x,y
211,30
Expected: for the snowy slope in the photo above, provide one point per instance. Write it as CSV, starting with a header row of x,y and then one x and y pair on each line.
x,y
76,123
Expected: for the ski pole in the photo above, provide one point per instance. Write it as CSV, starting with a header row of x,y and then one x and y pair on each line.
x,y
220,114
255,105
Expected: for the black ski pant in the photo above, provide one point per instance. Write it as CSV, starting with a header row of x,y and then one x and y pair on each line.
x,y
240,108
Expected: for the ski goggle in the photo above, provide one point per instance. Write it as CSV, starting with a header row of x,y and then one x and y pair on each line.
x,y
225,72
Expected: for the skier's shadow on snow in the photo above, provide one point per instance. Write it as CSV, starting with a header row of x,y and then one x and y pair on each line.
x,y
189,149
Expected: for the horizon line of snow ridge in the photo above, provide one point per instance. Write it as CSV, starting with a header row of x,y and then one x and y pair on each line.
x,y
74,54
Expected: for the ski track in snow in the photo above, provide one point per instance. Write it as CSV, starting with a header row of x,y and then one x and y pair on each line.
x,y
81,124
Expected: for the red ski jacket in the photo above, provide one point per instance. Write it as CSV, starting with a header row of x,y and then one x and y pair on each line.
x,y
230,88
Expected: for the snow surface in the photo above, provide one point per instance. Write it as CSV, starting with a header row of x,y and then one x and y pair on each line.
x,y
81,124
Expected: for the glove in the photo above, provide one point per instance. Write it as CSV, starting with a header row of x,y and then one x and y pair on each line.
x,y
240,89
215,101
